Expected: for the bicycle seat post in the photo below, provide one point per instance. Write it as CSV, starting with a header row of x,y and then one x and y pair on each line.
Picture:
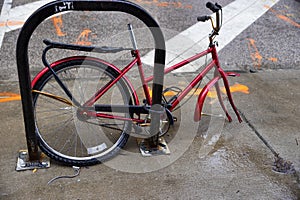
x,y
132,37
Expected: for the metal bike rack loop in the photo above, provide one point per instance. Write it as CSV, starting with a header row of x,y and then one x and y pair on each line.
x,y
84,5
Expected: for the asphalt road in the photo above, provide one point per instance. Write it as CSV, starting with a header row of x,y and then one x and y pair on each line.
x,y
271,42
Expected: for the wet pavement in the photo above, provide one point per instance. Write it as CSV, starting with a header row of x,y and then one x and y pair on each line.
x,y
224,162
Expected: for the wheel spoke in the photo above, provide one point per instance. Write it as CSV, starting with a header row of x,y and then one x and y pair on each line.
x,y
65,132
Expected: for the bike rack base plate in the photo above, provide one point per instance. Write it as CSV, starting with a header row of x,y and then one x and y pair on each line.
x,y
23,162
147,150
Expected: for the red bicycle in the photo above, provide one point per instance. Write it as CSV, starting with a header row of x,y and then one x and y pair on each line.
x,y
85,107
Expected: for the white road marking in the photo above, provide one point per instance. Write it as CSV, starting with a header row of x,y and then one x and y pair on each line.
x,y
237,16
17,14
4,17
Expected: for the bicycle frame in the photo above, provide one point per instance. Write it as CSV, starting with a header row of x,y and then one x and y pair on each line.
x,y
100,111
95,110
219,74
146,80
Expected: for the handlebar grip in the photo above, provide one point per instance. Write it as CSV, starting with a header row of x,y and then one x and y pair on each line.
x,y
212,7
203,18
218,6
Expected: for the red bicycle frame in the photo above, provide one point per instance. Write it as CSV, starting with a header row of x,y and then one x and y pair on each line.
x,y
101,110
219,74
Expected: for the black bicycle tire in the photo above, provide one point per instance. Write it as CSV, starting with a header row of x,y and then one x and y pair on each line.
x,y
89,161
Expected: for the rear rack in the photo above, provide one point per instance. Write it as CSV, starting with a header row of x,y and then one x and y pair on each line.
x,y
103,49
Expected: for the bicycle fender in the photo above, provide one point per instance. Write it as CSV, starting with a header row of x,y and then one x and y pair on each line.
x,y
54,64
204,92
201,98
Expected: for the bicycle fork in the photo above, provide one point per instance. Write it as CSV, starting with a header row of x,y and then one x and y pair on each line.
x,y
219,74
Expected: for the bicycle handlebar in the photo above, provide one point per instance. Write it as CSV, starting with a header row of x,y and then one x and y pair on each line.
x,y
213,7
217,9
203,18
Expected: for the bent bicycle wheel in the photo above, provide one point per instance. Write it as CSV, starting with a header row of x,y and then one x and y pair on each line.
x,y
65,132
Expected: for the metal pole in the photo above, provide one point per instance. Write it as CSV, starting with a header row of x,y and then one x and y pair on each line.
x,y
82,5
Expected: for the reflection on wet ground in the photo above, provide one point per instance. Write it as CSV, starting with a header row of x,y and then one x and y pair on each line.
x,y
224,154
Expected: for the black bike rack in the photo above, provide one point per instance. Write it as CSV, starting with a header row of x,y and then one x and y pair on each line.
x,y
85,5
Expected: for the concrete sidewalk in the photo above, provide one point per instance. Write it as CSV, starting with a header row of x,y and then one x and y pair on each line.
x,y
237,166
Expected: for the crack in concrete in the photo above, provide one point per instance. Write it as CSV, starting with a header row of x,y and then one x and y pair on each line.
x,y
280,165
257,133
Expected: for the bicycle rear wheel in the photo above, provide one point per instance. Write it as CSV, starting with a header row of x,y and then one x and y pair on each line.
x,y
70,136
